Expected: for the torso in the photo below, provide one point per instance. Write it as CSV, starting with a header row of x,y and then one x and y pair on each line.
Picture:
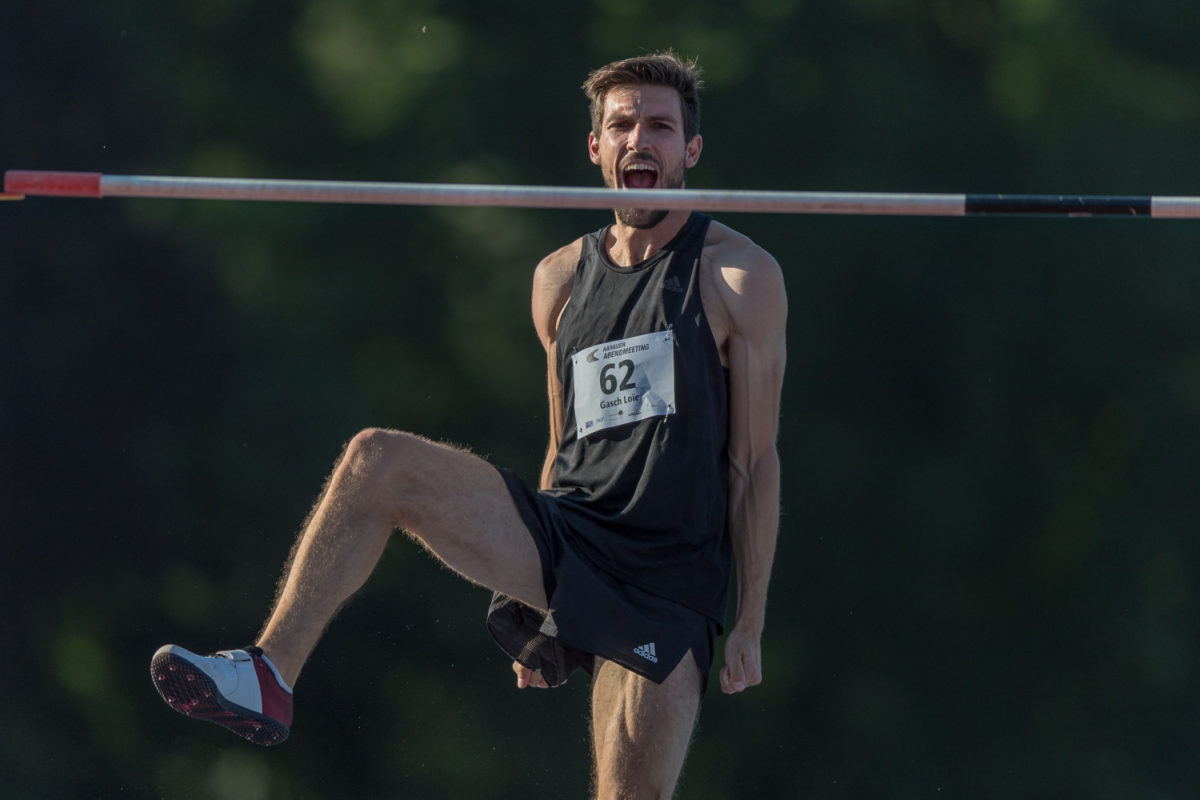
x,y
641,466
724,252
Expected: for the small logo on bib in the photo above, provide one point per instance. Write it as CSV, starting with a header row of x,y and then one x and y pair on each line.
x,y
646,651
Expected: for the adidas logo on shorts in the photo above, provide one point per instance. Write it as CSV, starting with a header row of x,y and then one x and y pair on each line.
x,y
646,651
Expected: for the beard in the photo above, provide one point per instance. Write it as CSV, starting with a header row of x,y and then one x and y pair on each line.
x,y
641,218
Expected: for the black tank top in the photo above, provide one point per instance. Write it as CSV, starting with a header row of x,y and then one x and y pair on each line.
x,y
646,499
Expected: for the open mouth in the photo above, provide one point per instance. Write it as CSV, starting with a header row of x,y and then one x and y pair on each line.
x,y
639,175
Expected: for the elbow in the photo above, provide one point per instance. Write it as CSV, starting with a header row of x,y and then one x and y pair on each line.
x,y
753,474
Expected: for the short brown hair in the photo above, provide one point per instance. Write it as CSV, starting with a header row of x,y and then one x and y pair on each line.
x,y
656,69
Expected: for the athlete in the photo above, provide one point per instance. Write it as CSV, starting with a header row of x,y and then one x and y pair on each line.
x,y
664,338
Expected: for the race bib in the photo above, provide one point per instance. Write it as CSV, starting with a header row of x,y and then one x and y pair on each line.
x,y
624,381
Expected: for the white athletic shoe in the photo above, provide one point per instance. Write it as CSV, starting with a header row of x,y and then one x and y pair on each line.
x,y
237,689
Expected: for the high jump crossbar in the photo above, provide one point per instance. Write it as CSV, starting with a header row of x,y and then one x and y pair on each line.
x,y
21,183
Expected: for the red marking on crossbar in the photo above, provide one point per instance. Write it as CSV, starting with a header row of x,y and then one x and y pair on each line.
x,y
60,184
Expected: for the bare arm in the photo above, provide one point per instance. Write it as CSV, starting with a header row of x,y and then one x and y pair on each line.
x,y
552,282
756,314
554,392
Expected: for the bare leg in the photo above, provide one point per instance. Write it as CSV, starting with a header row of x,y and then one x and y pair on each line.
x,y
454,503
641,730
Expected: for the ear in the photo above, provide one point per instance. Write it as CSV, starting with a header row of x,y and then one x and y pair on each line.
x,y
693,149
594,148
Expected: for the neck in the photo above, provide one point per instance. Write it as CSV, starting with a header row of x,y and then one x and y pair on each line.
x,y
627,246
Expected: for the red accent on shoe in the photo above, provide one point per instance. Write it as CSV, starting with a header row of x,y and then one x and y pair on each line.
x,y
276,701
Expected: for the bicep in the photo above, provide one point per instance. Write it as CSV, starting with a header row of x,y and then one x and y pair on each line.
x,y
551,292
757,352
552,282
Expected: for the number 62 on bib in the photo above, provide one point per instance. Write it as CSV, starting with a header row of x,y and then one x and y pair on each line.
x,y
624,381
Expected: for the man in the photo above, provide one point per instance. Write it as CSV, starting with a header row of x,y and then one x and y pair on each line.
x,y
664,337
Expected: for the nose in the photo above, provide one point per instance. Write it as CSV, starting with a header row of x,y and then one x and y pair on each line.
x,y
635,141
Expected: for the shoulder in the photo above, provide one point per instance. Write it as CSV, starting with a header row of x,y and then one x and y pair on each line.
x,y
552,282
559,267
556,272
743,278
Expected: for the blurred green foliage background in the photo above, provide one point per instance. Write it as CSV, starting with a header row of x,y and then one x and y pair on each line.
x,y
986,581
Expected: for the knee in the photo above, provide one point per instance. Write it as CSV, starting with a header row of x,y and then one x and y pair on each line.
x,y
376,455
380,472
366,450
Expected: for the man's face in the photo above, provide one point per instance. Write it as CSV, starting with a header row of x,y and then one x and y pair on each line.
x,y
641,145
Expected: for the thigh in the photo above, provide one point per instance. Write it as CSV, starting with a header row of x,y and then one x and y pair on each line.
x,y
641,730
460,508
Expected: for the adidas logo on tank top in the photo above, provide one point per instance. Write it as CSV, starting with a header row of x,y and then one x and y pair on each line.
x,y
646,651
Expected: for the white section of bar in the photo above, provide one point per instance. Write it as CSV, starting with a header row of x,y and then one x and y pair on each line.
x,y
432,194
1175,207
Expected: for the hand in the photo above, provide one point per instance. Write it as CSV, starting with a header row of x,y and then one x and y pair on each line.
x,y
528,677
743,662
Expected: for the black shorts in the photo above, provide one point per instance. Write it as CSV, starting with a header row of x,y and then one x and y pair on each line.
x,y
591,613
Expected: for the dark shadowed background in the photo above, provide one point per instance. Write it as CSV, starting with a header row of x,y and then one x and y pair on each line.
x,y
986,578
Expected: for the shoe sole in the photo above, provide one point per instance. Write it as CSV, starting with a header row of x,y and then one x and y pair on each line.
x,y
188,690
